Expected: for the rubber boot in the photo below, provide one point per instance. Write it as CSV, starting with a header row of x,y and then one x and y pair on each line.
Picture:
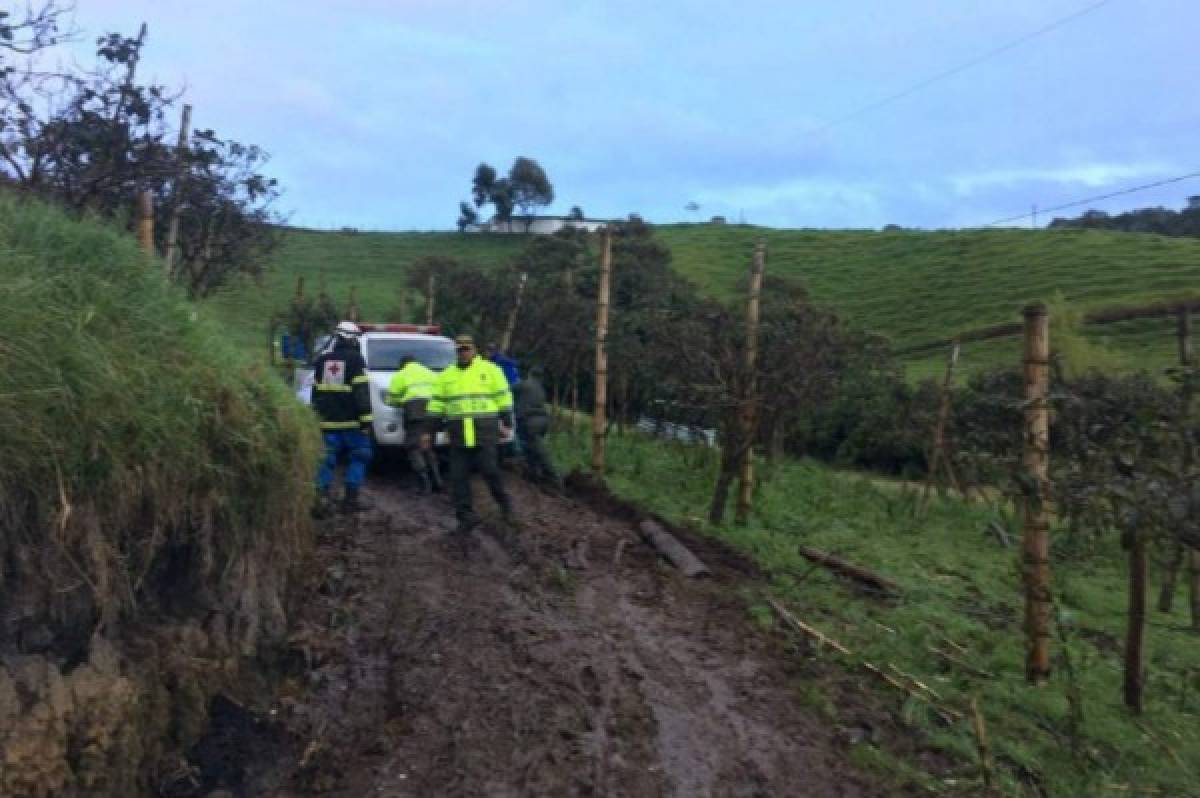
x,y
426,486
435,476
460,538
353,502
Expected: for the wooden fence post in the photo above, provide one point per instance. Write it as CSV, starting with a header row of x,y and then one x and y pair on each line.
x,y
177,191
1179,552
749,414
510,326
1193,555
352,311
1036,458
146,221
939,458
430,285
401,304
599,422
1135,632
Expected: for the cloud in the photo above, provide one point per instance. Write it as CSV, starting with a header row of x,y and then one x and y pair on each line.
x,y
801,202
1089,175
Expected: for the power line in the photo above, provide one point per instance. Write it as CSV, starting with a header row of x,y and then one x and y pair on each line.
x,y
916,87
1089,200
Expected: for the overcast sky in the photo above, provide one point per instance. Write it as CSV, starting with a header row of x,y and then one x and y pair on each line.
x,y
377,112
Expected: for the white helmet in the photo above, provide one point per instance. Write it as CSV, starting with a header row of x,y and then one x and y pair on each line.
x,y
348,330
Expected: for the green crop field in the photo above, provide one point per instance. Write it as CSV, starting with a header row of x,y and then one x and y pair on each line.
x,y
908,285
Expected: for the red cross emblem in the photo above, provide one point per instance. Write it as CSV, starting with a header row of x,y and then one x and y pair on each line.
x,y
334,368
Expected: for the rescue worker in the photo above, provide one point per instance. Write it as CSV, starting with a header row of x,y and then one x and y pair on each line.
x,y
507,364
512,373
529,401
411,389
341,397
472,400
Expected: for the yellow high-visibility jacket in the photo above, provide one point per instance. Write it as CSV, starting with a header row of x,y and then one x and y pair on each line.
x,y
471,400
411,388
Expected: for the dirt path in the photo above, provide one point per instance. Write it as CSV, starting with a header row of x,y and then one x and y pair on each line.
x,y
425,674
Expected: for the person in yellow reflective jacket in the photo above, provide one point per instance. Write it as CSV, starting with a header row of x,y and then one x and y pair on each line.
x,y
472,401
411,389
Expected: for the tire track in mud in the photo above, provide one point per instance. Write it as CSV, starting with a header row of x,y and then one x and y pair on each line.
x,y
426,674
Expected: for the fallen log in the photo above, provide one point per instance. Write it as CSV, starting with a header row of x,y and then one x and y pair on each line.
x,y
856,572
669,546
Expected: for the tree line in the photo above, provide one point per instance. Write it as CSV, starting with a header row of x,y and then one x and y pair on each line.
x,y
1163,221
674,353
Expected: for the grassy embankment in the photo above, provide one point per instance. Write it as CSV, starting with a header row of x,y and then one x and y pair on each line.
x,y
911,286
111,386
154,495
962,595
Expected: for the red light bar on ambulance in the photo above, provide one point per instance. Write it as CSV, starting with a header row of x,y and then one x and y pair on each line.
x,y
424,329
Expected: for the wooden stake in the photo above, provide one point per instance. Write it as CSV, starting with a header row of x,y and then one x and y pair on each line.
x,y
146,221
1036,457
1136,627
1194,587
430,285
511,326
1179,553
749,407
939,459
599,423
1193,555
352,312
1183,332
574,400
401,304
981,743
177,191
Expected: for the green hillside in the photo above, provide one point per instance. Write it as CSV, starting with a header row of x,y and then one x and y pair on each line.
x,y
910,286
919,286
373,262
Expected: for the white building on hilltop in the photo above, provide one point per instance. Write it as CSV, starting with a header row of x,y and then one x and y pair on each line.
x,y
537,225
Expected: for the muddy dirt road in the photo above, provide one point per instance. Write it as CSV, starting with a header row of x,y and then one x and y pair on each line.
x,y
576,663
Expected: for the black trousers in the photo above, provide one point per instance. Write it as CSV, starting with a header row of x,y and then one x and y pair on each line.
x,y
420,458
484,457
531,430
